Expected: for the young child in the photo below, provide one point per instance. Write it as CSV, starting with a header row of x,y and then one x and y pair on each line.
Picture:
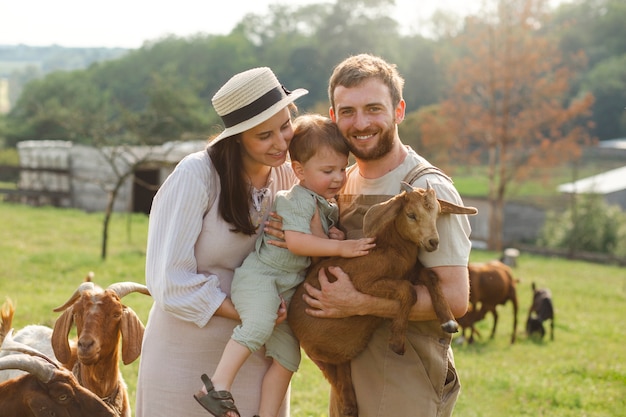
x,y
270,274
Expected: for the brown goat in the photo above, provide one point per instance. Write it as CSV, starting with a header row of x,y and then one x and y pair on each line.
x,y
101,321
46,389
467,322
491,284
401,226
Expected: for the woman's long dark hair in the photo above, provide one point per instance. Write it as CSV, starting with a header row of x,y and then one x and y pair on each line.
x,y
234,201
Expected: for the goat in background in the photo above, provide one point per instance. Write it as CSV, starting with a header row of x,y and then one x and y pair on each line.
x,y
101,322
491,284
540,310
402,225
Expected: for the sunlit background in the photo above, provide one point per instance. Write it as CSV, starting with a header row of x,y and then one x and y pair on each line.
x,y
127,24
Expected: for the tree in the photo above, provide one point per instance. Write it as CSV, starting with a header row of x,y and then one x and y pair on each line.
x,y
607,81
508,105
82,113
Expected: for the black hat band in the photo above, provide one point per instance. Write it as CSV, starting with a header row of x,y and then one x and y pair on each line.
x,y
255,108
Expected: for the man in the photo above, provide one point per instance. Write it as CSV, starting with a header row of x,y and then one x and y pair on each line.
x,y
366,103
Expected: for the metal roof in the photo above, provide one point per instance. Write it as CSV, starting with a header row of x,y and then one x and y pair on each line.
x,y
604,183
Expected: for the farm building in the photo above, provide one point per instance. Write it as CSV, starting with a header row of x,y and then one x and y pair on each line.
x,y
66,174
610,184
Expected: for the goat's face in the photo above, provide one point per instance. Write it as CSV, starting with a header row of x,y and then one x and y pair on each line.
x,y
417,222
72,399
97,314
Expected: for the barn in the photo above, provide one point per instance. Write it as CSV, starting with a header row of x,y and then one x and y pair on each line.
x,y
66,174
610,184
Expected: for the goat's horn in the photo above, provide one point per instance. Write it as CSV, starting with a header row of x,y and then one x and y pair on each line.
x,y
81,288
42,370
405,186
125,288
428,186
9,344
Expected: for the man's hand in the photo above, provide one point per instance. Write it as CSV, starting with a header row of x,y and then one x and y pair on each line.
x,y
336,233
335,299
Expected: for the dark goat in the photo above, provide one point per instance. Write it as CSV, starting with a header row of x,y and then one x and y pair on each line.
x,y
46,389
401,226
101,321
491,284
541,310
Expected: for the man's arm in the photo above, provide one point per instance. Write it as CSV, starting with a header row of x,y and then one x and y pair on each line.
x,y
340,298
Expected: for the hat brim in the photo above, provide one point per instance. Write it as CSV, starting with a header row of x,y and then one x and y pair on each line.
x,y
261,117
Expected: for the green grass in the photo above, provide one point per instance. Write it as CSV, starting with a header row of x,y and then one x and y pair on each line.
x,y
45,252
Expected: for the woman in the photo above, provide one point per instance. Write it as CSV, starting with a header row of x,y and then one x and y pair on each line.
x,y
204,221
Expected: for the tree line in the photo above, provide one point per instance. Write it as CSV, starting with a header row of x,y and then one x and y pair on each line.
x,y
165,86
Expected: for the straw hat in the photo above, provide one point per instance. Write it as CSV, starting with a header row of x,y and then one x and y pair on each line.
x,y
250,98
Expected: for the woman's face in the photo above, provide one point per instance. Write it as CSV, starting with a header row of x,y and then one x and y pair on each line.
x,y
268,143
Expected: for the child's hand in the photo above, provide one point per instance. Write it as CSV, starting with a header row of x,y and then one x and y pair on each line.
x,y
354,248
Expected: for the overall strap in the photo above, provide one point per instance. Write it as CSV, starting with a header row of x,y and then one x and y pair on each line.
x,y
422,169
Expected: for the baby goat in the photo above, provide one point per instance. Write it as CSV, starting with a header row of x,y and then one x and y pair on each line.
x,y
401,226
101,320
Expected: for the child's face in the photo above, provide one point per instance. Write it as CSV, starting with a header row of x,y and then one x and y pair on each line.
x,y
324,173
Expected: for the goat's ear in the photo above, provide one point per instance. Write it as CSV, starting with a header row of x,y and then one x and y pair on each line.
x,y
132,335
379,215
451,208
60,336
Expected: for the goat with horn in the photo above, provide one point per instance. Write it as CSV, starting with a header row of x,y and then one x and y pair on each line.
x,y
46,389
101,321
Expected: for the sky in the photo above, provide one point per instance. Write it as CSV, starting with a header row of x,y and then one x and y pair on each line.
x,y
129,23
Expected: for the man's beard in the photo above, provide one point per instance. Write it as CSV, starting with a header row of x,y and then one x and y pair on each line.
x,y
384,146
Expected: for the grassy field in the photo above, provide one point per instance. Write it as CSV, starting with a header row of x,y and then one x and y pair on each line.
x,y
45,253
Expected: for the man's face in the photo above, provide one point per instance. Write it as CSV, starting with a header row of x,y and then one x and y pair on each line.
x,y
366,118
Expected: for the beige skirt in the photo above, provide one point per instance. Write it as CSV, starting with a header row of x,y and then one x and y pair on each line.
x,y
174,355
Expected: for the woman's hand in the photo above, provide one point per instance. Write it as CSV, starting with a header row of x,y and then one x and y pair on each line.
x,y
274,228
282,312
227,309
335,299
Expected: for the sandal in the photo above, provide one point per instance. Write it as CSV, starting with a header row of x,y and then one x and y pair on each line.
x,y
218,403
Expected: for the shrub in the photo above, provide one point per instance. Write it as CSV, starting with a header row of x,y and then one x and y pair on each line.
x,y
590,225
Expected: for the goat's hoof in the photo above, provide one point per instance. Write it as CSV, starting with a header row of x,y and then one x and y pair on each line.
x,y
350,411
450,326
397,348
